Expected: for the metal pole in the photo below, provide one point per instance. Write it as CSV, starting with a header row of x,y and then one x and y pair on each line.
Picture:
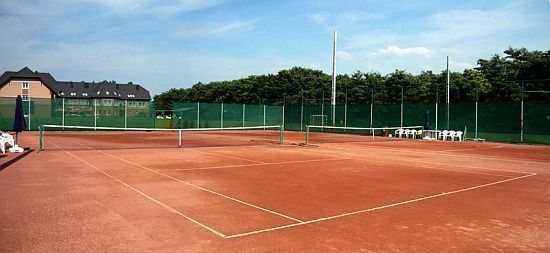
x,y
264,117
521,115
63,112
436,109
95,114
244,115
221,121
322,110
346,111
284,102
477,99
198,115
333,99
126,114
448,91
371,107
179,137
302,114
29,105
401,106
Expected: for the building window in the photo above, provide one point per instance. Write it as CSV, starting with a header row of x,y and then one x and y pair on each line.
x,y
25,85
25,97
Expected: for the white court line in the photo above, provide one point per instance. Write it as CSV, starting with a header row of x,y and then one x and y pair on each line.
x,y
146,196
228,156
363,156
251,165
196,186
449,154
378,208
466,149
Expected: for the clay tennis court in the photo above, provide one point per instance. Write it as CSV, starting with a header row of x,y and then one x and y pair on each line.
x,y
102,192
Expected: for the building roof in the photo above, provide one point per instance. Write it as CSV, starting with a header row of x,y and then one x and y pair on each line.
x,y
70,89
102,90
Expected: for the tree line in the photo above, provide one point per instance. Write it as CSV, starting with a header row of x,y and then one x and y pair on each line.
x,y
499,78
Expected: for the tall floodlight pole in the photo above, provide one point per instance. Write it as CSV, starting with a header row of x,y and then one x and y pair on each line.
x,y
448,90
333,98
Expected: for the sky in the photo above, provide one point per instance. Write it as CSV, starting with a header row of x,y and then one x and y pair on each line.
x,y
163,44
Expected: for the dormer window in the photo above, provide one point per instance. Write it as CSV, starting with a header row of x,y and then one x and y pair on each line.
x,y
85,94
73,93
98,92
25,85
107,92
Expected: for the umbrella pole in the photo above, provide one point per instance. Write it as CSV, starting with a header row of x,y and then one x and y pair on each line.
x,y
16,138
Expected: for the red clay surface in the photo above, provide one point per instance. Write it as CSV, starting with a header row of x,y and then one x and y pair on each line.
x,y
387,196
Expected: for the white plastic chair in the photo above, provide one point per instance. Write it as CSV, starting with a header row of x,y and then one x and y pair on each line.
x,y
407,133
414,133
452,135
444,135
458,135
6,139
400,133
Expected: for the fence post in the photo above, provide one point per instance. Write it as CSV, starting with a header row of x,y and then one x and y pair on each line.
x,y
126,114
401,106
63,112
221,122
198,115
95,113
29,105
477,100
521,115
302,115
244,114
264,117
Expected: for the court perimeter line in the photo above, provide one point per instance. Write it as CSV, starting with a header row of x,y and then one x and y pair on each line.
x,y
249,165
147,196
450,154
194,185
228,156
378,208
423,163
454,154
466,149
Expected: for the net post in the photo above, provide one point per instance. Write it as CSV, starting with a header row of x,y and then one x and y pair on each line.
x,y
281,140
40,135
179,138
307,134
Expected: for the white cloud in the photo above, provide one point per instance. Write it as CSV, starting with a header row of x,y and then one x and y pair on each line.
x,y
459,65
395,50
236,25
319,17
340,54
358,16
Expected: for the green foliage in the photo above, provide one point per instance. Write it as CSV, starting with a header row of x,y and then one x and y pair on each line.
x,y
496,79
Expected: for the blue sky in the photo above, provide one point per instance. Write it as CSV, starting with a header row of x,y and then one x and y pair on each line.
x,y
166,44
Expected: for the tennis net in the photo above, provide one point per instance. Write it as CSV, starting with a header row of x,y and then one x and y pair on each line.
x,y
57,137
332,134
